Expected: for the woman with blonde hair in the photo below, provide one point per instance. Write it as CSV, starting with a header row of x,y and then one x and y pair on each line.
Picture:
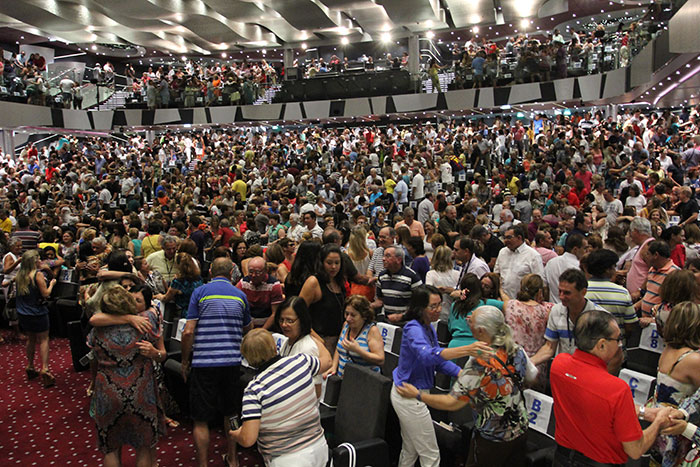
x,y
360,255
678,375
444,277
33,314
188,278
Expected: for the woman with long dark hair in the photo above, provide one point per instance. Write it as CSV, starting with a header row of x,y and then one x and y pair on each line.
x,y
324,293
306,263
458,323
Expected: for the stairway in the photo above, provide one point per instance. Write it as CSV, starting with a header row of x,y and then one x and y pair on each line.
x,y
445,80
116,101
268,95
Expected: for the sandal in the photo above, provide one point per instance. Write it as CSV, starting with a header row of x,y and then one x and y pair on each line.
x,y
226,462
31,373
172,423
47,379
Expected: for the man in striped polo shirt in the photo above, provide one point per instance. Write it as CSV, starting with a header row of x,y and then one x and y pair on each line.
x,y
395,285
658,257
217,318
600,264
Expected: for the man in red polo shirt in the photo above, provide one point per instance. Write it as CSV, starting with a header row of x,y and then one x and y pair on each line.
x,y
595,413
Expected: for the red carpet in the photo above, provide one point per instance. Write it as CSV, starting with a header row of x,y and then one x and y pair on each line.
x,y
41,427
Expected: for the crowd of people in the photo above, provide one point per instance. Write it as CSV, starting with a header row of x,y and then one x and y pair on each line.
x,y
559,237
540,57
476,63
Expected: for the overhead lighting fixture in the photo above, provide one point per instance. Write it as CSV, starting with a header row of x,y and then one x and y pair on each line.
x,y
475,29
524,23
223,55
475,19
430,34
303,45
386,37
94,47
345,41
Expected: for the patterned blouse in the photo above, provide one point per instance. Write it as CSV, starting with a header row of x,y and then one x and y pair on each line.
x,y
494,392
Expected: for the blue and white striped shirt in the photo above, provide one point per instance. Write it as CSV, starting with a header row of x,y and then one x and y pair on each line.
x,y
222,312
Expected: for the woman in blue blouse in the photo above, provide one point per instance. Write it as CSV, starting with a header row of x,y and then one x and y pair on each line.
x,y
420,357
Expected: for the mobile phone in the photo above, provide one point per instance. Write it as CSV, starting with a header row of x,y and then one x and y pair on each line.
x,y
235,422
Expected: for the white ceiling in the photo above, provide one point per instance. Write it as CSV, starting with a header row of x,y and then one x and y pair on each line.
x,y
210,26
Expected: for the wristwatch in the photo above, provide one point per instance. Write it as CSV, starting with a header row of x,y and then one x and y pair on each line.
x,y
642,410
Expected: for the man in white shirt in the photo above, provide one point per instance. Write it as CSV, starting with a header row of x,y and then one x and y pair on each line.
x,y
426,208
464,253
401,192
311,225
574,250
418,185
517,260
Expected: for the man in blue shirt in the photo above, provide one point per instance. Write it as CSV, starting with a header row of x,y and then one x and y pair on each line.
x,y
217,318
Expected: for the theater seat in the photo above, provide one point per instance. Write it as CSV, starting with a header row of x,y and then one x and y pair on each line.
x,y
643,361
176,385
78,346
361,417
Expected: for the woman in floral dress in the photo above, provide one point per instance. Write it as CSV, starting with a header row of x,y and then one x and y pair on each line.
x,y
126,402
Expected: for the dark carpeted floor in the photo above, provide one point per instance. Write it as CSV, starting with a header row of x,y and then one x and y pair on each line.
x,y
41,427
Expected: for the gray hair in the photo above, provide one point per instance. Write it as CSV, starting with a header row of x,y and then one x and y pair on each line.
x,y
294,217
451,208
14,241
641,225
409,212
99,240
491,320
592,326
398,252
167,238
508,214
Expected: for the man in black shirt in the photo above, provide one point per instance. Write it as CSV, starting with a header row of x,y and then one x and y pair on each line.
x,y
687,208
492,245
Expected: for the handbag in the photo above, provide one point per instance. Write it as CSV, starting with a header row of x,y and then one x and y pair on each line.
x,y
691,458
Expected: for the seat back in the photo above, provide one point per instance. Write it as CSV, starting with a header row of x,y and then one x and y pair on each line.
x,y
362,406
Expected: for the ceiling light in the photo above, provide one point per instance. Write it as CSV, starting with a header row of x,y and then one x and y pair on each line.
x,y
430,34
184,59
303,45
223,55
345,41
386,37
94,47
524,23
475,18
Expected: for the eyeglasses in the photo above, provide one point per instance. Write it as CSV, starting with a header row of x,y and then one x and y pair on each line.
x,y
620,339
434,306
288,321
255,273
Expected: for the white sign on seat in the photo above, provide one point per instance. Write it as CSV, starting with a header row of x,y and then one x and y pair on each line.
x,y
539,410
280,339
388,332
651,340
180,328
639,383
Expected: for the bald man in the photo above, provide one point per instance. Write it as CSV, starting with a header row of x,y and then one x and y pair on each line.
x,y
264,293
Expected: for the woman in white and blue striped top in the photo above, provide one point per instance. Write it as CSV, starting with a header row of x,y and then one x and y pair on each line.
x,y
360,341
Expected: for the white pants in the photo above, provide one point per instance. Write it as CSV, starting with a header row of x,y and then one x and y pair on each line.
x,y
417,432
315,455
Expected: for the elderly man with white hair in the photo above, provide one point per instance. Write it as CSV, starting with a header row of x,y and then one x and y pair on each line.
x,y
507,219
